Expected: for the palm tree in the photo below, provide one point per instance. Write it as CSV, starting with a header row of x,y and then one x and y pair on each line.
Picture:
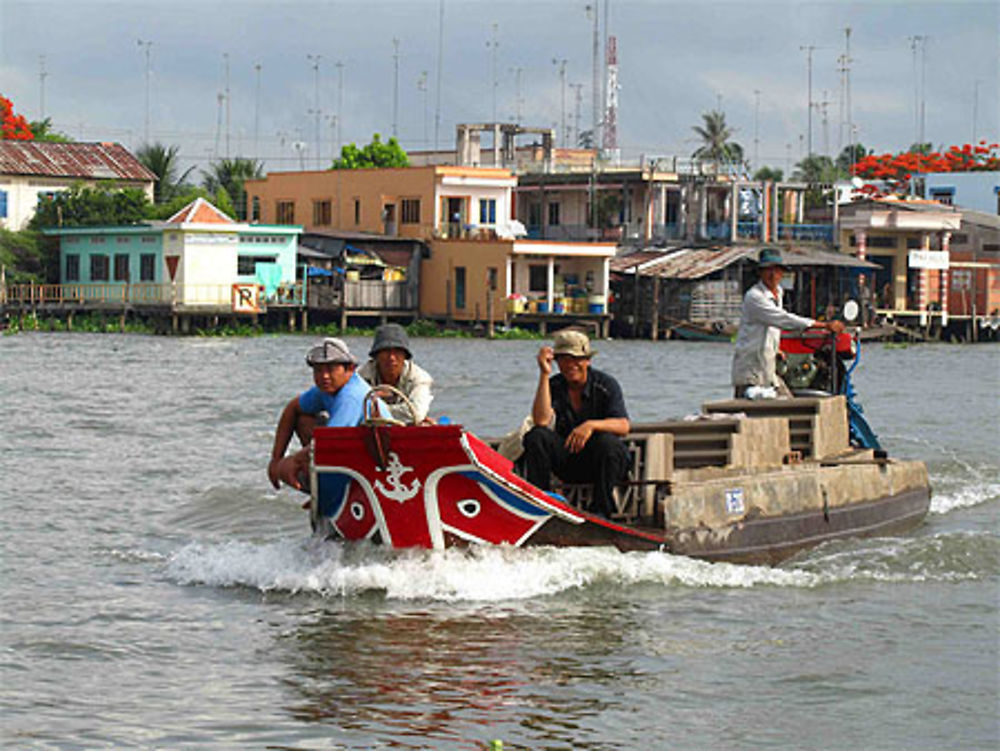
x,y
815,169
229,175
716,146
162,161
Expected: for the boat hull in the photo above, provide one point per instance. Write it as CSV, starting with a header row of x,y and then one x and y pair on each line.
x,y
439,486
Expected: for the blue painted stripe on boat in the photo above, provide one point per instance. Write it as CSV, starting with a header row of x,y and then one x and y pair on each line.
x,y
331,492
525,507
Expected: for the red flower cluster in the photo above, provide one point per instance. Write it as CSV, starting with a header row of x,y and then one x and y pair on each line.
x,y
13,127
895,170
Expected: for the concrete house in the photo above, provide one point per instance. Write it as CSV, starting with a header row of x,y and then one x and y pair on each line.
x,y
194,258
935,260
477,266
31,171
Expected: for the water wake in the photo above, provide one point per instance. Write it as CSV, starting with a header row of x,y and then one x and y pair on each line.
x,y
479,574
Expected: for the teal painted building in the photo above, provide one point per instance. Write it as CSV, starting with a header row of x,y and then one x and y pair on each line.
x,y
193,258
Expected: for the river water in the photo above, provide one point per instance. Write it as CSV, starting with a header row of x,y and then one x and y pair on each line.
x,y
157,593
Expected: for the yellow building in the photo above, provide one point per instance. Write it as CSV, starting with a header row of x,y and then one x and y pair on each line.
x,y
478,266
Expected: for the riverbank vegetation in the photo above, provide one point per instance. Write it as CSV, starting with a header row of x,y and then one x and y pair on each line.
x,y
98,323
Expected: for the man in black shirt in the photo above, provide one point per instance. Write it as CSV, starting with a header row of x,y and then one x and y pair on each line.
x,y
585,443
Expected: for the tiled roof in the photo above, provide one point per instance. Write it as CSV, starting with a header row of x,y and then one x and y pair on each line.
x,y
83,161
200,211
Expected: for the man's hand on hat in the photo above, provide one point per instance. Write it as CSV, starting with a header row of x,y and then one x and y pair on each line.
x,y
546,355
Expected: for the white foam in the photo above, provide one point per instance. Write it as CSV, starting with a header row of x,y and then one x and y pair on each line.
x,y
964,496
473,574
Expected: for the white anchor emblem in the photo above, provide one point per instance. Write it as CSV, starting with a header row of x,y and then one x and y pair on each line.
x,y
397,491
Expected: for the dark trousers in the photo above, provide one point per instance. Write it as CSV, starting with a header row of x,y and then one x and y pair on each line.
x,y
603,463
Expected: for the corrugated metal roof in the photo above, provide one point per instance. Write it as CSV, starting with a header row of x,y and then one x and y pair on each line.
x,y
83,161
695,263
816,257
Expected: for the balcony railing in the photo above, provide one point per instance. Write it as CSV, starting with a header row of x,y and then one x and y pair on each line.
x,y
138,295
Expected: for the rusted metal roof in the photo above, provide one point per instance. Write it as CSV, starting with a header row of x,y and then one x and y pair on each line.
x,y
82,161
630,261
695,263
680,263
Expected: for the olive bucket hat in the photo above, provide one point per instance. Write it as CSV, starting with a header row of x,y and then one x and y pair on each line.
x,y
390,336
572,343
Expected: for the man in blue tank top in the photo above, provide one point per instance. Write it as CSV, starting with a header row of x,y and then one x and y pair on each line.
x,y
336,400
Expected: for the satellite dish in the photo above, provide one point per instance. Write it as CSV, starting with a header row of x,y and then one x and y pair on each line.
x,y
851,310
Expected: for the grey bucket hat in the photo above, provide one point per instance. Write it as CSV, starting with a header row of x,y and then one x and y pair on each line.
x,y
330,350
390,336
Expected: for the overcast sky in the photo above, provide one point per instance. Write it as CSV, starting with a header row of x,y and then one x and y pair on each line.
x,y
677,59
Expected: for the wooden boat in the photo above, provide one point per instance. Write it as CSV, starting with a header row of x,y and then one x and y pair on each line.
x,y
717,332
748,481
731,493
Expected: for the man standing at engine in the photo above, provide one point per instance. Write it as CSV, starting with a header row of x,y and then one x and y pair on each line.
x,y
762,320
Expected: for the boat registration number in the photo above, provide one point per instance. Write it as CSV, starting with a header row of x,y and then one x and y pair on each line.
x,y
734,501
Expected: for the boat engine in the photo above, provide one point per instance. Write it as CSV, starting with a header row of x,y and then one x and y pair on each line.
x,y
813,363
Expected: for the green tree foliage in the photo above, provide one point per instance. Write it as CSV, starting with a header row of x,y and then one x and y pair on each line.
x,y
772,174
228,176
716,145
21,255
848,156
92,206
815,169
162,161
42,130
375,154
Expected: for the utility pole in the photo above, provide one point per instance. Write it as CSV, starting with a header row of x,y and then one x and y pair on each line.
x,y
340,103
562,87
493,44
596,84
578,98
846,59
975,108
517,93
440,73
919,84
422,87
146,47
314,59
42,75
225,58
756,129
256,112
395,87
809,103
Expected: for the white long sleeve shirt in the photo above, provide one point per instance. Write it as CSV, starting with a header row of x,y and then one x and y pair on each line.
x,y
414,381
761,322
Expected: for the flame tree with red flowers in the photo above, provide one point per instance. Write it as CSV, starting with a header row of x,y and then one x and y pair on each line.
x,y
13,127
893,172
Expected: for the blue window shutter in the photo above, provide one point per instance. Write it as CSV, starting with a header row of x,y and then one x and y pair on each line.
x,y
3,204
